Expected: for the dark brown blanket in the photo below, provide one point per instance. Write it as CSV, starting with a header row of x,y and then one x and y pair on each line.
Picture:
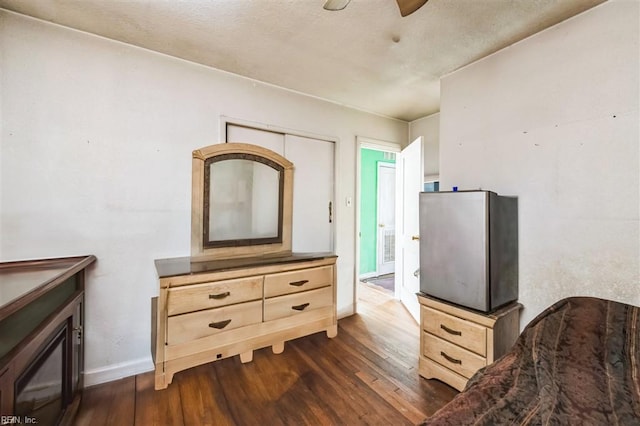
x,y
577,363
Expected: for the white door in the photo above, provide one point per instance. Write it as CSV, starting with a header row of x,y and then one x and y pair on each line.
x,y
386,209
313,205
409,177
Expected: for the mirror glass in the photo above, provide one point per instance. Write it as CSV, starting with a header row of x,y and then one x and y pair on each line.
x,y
243,201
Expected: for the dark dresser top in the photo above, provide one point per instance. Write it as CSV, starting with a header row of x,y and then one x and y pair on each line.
x,y
190,266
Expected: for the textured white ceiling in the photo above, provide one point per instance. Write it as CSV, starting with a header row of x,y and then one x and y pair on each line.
x,y
365,56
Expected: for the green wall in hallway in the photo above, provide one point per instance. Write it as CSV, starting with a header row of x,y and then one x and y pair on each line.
x,y
369,160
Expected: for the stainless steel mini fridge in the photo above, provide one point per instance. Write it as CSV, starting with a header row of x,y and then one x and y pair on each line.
x,y
469,248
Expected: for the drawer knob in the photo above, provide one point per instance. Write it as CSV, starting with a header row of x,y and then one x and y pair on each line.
x,y
450,359
300,307
450,331
220,295
298,283
220,324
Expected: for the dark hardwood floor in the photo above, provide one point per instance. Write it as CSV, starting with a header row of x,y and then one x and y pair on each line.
x,y
366,375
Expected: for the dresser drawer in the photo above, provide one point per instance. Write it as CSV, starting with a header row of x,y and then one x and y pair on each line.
x,y
295,304
462,361
456,330
197,297
187,327
297,281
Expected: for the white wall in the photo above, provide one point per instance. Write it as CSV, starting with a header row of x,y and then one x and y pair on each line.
x,y
429,128
96,158
554,120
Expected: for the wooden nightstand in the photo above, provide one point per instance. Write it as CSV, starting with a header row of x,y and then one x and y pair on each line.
x,y
456,342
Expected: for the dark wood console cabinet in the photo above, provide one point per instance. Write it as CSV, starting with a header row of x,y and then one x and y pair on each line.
x,y
41,341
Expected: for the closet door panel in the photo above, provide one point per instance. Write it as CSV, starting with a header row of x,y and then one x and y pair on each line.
x,y
270,140
313,183
313,217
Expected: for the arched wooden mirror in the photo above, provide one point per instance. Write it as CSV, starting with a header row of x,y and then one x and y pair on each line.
x,y
241,202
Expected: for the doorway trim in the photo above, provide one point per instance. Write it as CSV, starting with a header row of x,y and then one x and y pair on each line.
x,y
379,145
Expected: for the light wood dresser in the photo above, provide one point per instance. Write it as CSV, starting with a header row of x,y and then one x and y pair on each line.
x,y
456,342
210,310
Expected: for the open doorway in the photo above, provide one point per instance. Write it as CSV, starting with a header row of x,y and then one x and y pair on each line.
x,y
376,218
409,182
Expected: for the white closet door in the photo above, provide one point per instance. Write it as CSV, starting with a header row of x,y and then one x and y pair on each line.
x,y
270,140
313,203
313,177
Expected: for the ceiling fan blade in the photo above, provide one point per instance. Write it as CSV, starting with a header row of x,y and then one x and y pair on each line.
x,y
407,7
336,4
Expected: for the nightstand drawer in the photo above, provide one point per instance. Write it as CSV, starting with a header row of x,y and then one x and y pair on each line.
x,y
187,327
297,281
456,330
211,295
298,303
453,357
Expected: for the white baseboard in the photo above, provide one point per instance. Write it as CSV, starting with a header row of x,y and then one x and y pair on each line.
x,y
368,275
117,371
